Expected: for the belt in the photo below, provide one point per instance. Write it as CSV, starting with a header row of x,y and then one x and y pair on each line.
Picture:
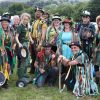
x,y
66,43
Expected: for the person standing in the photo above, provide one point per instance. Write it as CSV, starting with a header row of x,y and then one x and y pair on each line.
x,y
96,54
39,28
23,37
53,30
86,32
9,41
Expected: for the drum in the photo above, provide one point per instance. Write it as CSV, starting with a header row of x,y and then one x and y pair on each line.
x,y
2,78
23,52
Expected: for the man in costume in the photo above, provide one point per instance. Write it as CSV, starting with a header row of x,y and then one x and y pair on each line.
x,y
46,66
84,84
38,35
86,31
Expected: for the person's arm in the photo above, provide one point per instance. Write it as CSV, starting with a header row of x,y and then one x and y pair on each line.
x,y
43,32
17,40
30,38
67,62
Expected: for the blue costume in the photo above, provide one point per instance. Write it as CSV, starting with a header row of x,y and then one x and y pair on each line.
x,y
65,38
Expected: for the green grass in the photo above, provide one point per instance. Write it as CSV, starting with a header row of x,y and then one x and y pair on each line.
x,y
31,92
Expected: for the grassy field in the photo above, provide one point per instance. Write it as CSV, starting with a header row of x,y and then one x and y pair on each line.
x,y
33,93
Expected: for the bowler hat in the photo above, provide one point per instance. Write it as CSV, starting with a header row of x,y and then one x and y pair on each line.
x,y
75,44
39,9
86,13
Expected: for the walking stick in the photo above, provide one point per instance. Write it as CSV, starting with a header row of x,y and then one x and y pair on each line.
x,y
59,66
65,79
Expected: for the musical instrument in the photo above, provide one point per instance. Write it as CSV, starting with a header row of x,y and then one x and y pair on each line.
x,y
2,78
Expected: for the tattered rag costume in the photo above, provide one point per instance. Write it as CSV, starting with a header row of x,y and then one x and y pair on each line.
x,y
8,43
4,66
85,84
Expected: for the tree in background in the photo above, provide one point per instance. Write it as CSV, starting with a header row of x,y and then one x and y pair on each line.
x,y
94,8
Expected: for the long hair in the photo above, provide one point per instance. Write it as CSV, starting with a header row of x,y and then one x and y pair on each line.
x,y
97,21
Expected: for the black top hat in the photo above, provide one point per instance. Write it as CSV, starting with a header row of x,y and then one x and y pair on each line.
x,y
39,9
23,52
75,44
4,19
86,13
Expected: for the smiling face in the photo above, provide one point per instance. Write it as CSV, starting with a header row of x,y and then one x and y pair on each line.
x,y
5,24
38,14
85,19
25,20
75,49
67,25
56,22
16,21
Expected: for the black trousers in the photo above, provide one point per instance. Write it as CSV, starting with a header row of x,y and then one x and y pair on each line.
x,y
33,57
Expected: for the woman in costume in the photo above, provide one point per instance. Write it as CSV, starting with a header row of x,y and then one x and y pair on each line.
x,y
4,66
96,54
53,30
8,41
23,37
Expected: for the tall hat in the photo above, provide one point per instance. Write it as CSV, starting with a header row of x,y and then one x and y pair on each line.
x,y
39,9
86,13
6,14
4,19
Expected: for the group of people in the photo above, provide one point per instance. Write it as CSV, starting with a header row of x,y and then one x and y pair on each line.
x,y
45,45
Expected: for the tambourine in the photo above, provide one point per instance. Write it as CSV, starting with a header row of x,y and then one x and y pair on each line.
x,y
2,78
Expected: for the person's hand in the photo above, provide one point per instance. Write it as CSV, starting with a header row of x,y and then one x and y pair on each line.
x,y
60,58
42,70
53,56
39,47
3,52
20,45
14,47
32,41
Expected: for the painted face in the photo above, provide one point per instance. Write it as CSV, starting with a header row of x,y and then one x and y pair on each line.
x,y
5,24
75,49
85,19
